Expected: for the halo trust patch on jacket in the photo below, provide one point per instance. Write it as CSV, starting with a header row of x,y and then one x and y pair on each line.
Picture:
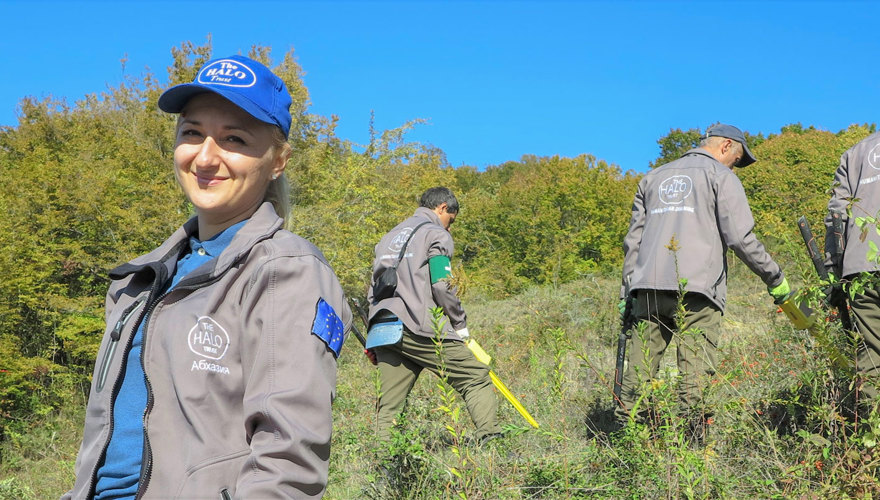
x,y
328,327
399,240
673,191
227,72
874,157
209,340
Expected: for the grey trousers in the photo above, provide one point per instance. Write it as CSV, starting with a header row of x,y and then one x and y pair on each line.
x,y
697,339
866,317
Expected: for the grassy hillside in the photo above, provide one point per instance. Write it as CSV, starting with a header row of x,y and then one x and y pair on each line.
x,y
777,431
94,188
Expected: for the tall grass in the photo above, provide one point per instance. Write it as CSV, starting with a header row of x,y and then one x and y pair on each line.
x,y
782,425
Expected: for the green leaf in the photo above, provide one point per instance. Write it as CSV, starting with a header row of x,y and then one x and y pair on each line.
x,y
818,440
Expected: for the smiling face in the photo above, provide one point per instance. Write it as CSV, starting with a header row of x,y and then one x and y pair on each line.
x,y
224,160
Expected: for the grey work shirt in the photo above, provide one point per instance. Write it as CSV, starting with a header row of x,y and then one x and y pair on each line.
x,y
415,295
858,176
700,203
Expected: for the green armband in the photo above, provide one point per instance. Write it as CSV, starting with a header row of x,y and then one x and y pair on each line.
x,y
440,268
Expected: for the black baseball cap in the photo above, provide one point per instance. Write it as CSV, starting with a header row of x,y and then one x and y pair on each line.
x,y
731,132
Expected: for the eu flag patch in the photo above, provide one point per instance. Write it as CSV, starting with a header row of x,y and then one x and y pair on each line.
x,y
328,327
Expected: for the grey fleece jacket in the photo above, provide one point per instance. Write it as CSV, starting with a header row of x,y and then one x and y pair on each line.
x,y
239,386
415,295
702,205
858,176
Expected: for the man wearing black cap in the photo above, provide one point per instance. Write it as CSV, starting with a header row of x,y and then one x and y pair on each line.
x,y
685,216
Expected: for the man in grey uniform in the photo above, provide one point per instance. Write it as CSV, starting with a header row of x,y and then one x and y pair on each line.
x,y
423,284
685,216
858,177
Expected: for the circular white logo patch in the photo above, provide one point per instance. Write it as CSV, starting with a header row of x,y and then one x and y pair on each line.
x,y
208,339
398,241
874,157
676,189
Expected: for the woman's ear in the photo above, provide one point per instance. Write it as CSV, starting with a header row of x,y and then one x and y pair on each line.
x,y
281,161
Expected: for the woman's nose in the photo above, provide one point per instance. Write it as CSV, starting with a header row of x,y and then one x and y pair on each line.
x,y
209,153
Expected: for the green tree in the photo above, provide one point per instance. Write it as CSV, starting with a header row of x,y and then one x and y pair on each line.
x,y
677,142
347,199
792,176
553,220
674,144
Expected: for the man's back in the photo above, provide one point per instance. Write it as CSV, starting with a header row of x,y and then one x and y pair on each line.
x,y
685,216
858,177
414,297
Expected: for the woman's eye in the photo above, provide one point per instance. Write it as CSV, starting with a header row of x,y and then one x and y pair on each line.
x,y
235,138
190,133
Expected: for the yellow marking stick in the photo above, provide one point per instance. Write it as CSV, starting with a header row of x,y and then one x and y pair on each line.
x,y
484,358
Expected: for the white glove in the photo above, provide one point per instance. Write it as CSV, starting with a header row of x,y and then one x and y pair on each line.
x,y
463,333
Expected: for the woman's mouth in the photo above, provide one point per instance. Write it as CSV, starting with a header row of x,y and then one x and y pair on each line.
x,y
208,180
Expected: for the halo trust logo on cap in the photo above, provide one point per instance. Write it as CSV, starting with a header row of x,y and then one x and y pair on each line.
x,y
227,72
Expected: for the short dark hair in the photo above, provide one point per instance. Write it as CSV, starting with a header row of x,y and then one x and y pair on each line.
x,y
436,196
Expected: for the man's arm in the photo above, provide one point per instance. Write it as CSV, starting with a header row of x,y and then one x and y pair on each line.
x,y
445,296
841,192
633,240
736,225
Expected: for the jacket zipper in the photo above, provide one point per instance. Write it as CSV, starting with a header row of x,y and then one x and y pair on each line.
x,y
118,382
114,341
147,459
718,282
720,278
126,316
145,471
224,494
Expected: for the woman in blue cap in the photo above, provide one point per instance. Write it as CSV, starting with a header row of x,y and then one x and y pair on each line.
x,y
215,375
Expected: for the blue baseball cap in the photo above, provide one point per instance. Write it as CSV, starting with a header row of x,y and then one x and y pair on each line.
x,y
241,80
731,132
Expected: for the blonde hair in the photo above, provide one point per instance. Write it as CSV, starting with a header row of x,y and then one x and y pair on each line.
x,y
278,191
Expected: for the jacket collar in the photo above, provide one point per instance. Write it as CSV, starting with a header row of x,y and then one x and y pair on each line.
x,y
262,225
214,246
699,151
428,214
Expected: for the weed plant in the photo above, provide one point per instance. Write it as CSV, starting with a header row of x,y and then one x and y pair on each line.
x,y
784,424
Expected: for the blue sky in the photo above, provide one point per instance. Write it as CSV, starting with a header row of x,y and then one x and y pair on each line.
x,y
495,80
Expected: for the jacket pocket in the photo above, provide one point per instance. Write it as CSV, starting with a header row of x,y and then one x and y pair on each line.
x,y
105,364
115,335
718,282
212,474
